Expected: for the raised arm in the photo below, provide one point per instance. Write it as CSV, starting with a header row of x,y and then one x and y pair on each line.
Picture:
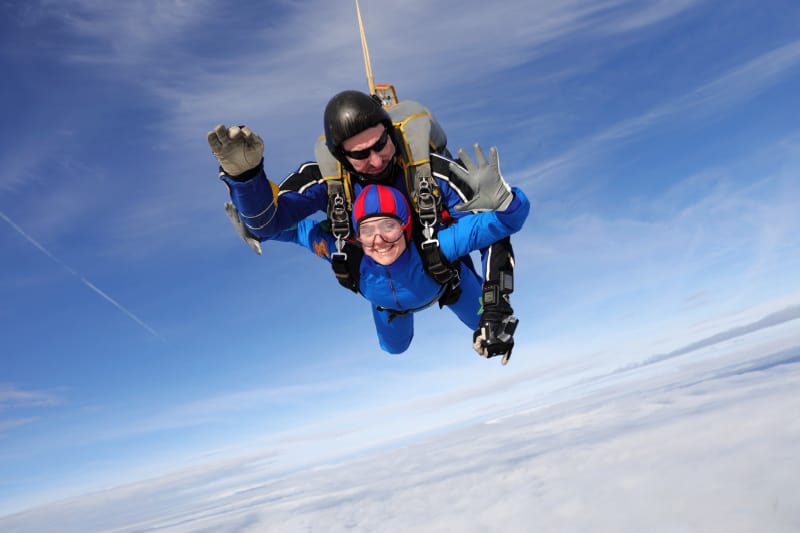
x,y
264,209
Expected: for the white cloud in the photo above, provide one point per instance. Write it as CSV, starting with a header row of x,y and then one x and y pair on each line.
x,y
679,448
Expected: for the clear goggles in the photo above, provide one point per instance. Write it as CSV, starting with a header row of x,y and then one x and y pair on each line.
x,y
389,229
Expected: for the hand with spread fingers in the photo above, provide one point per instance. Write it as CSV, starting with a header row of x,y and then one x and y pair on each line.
x,y
236,148
492,192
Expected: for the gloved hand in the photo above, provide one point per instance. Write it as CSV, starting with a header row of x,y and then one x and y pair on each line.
x,y
495,336
236,148
241,229
492,192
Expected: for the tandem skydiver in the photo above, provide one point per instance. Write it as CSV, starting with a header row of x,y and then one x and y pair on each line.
x,y
367,144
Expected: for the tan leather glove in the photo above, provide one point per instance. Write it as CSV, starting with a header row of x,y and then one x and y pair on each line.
x,y
236,148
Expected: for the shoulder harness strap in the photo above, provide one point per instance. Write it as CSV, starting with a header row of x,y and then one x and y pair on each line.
x,y
421,134
346,260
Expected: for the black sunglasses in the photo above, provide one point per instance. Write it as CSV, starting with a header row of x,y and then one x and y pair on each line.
x,y
377,147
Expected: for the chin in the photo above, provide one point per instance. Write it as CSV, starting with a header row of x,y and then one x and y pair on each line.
x,y
385,260
384,176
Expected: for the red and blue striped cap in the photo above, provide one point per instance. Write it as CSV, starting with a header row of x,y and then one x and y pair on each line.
x,y
382,201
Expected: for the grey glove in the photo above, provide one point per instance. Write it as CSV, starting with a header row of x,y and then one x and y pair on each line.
x,y
492,192
236,148
238,225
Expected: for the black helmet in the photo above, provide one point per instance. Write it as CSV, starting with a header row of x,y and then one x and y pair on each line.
x,y
349,113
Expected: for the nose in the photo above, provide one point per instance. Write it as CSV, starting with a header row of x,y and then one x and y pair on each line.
x,y
375,158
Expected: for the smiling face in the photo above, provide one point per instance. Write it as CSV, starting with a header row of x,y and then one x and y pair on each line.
x,y
382,239
382,219
377,160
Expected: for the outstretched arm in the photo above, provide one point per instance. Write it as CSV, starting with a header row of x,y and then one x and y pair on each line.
x,y
311,234
262,208
480,230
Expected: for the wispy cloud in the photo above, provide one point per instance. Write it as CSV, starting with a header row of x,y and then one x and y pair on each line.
x,y
213,409
11,423
648,14
773,319
83,280
259,82
12,397
737,85
129,33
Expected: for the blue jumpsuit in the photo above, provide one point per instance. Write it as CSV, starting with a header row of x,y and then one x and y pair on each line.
x,y
405,285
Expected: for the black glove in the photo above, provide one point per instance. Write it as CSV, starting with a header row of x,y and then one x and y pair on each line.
x,y
495,334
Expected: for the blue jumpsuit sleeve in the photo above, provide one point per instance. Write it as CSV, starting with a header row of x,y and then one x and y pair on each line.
x,y
312,235
266,209
479,230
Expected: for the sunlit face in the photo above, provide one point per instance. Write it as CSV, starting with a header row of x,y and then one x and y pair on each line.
x,y
382,239
377,160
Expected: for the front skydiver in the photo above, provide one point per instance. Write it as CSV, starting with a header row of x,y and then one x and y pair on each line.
x,y
368,146
391,274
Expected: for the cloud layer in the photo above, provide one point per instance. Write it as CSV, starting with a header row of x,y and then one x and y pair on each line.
x,y
710,447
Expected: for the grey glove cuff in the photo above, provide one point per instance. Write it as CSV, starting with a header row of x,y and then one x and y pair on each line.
x,y
506,202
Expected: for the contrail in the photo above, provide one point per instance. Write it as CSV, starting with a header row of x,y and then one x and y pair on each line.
x,y
83,280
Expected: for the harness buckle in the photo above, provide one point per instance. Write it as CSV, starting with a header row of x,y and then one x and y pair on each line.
x,y
430,241
426,202
337,213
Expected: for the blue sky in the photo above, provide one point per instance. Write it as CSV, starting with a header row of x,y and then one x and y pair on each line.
x,y
658,141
